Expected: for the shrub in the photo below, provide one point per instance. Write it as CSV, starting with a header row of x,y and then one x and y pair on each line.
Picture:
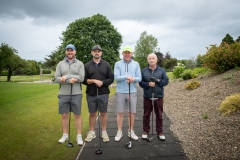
x,y
177,72
200,70
19,72
205,116
187,74
227,76
4,73
192,85
222,58
46,71
230,104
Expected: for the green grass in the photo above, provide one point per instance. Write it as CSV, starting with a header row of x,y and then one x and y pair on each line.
x,y
26,78
170,75
30,123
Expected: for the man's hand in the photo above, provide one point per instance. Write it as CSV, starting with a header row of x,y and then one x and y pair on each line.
x,y
151,84
98,82
72,80
153,79
63,79
130,79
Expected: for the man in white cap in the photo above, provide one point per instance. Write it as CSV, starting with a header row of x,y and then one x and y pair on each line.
x,y
126,73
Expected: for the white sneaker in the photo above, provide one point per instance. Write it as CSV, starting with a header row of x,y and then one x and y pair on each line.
x,y
64,138
91,135
79,140
144,135
161,137
118,136
133,135
105,136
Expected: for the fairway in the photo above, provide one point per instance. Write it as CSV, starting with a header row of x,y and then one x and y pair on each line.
x,y
30,123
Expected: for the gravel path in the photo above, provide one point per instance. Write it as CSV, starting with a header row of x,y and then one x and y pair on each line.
x,y
203,132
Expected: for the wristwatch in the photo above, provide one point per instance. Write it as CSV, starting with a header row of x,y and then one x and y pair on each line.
x,y
158,80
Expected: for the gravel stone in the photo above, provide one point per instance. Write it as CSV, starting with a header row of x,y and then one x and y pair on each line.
x,y
203,132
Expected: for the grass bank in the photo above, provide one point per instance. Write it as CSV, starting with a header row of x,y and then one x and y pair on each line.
x,y
30,123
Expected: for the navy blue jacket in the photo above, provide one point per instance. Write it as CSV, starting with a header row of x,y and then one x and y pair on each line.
x,y
158,90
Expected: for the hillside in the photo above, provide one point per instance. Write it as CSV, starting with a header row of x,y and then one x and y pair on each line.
x,y
203,132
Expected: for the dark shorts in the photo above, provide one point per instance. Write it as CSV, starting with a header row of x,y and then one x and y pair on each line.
x,y
101,104
65,105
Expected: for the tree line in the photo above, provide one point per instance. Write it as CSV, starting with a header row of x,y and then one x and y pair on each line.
x,y
85,33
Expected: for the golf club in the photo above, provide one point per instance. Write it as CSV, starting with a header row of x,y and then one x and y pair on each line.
x,y
69,144
98,151
129,144
149,139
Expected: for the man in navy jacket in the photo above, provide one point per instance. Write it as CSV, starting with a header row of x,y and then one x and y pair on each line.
x,y
154,78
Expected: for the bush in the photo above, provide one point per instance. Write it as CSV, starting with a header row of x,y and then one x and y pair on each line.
x,y
222,58
200,70
46,71
4,73
192,85
187,74
230,104
177,72
28,71
193,73
19,72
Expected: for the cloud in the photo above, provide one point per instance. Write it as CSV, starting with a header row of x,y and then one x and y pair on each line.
x,y
183,28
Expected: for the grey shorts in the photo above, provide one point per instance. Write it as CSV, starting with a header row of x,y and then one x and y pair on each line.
x,y
102,104
64,104
123,102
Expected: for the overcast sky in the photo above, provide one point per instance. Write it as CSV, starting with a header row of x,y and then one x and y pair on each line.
x,y
184,28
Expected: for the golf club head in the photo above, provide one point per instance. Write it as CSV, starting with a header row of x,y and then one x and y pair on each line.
x,y
129,145
150,139
98,151
69,145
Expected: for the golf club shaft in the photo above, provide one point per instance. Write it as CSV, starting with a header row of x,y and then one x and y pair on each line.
x,y
70,114
153,108
98,121
130,111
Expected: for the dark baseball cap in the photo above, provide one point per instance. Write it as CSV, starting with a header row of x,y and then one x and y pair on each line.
x,y
97,47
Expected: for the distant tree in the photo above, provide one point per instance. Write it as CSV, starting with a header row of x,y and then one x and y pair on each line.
x,y
160,58
14,63
190,63
238,39
228,39
84,33
169,63
32,68
167,56
51,62
5,53
199,61
145,45
183,61
9,60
